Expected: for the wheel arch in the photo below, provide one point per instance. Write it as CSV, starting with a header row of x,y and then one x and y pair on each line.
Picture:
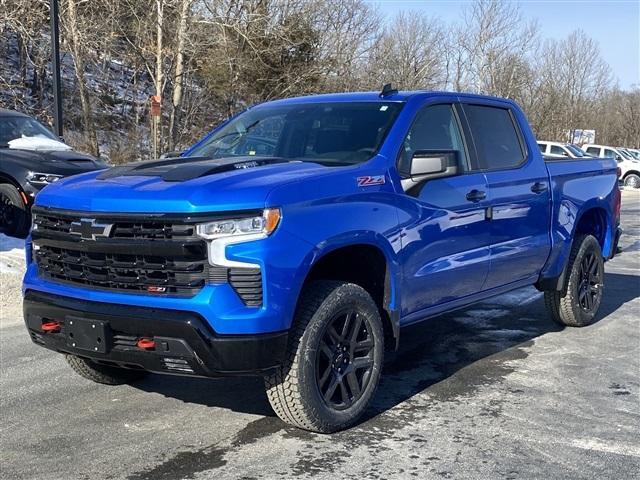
x,y
8,179
369,265
595,220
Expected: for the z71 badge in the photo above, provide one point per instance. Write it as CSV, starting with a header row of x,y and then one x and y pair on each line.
x,y
370,180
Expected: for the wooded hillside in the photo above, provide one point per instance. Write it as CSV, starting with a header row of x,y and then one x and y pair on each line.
x,y
211,58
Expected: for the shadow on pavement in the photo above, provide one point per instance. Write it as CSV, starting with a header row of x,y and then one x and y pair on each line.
x,y
449,355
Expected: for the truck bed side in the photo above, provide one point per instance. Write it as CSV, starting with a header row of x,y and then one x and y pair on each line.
x,y
584,198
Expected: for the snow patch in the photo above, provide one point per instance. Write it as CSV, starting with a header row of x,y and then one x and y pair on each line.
x,y
38,143
11,255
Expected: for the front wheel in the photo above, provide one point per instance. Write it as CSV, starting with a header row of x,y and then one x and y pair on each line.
x,y
578,303
14,214
334,359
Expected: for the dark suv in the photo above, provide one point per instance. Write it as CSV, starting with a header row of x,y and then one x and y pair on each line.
x,y
31,156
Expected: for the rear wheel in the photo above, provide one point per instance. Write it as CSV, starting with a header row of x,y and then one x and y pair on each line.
x,y
577,304
104,374
632,180
334,359
14,214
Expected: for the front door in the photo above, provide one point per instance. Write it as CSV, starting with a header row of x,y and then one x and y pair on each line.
x,y
445,235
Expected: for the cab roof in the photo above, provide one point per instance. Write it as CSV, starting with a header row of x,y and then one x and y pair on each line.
x,y
401,96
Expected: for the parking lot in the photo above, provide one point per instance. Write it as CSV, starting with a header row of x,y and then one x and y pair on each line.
x,y
492,391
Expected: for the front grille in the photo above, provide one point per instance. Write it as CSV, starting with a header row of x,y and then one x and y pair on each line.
x,y
149,255
138,255
141,273
135,230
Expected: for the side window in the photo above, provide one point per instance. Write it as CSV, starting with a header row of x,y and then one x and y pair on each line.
x,y
556,150
434,128
495,136
609,153
593,151
542,147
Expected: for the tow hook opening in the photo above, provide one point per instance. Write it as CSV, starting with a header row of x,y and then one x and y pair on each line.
x,y
146,344
51,326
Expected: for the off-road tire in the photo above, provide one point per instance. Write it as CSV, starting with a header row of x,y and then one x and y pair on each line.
x,y
19,220
563,306
103,374
293,390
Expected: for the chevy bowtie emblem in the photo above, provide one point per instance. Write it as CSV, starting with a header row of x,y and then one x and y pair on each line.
x,y
89,228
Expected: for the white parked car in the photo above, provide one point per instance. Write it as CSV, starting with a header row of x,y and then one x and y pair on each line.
x,y
634,152
558,149
629,167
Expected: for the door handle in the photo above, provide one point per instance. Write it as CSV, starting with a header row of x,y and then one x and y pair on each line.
x,y
539,187
476,195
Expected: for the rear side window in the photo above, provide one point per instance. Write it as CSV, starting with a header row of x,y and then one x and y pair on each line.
x,y
542,147
495,136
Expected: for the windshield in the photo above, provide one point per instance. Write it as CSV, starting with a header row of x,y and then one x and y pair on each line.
x,y
327,133
635,154
12,128
577,151
625,154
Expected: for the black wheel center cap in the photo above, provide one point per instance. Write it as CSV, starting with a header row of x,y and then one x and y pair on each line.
x,y
341,359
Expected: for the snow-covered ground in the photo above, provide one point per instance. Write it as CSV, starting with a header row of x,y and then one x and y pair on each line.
x,y
11,255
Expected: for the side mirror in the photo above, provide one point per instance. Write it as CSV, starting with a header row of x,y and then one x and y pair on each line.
x,y
428,164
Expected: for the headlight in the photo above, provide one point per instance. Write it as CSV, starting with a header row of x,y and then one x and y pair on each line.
x,y
42,178
263,224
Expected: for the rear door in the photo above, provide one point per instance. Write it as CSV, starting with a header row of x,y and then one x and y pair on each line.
x,y
518,194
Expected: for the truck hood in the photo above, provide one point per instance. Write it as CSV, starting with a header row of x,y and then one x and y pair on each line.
x,y
179,185
59,162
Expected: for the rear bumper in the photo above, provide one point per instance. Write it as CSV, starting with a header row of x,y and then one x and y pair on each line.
x,y
185,343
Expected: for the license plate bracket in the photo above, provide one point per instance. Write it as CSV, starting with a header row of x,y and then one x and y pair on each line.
x,y
87,334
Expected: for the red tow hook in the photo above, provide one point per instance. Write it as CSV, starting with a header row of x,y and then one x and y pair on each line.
x,y
51,326
146,344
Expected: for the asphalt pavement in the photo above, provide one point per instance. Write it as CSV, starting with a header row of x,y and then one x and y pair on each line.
x,y
493,391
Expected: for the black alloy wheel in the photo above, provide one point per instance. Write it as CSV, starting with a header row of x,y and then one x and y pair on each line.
x,y
590,284
344,359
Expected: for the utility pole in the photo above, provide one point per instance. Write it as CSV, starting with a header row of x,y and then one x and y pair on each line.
x,y
55,67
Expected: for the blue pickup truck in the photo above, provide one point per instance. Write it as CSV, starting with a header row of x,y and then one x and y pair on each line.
x,y
297,239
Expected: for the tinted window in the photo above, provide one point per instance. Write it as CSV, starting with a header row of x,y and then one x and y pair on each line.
x,y
435,128
543,147
12,128
593,151
327,133
495,137
609,153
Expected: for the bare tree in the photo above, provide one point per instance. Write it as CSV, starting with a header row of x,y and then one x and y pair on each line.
x,y
409,53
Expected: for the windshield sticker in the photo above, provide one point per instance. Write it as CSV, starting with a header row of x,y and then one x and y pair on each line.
x,y
370,180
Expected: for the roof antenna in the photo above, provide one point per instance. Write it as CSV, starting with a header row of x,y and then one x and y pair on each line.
x,y
388,90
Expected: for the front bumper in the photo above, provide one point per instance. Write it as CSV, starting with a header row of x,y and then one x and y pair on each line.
x,y
185,343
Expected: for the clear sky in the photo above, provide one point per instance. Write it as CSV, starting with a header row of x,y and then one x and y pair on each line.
x,y
614,24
